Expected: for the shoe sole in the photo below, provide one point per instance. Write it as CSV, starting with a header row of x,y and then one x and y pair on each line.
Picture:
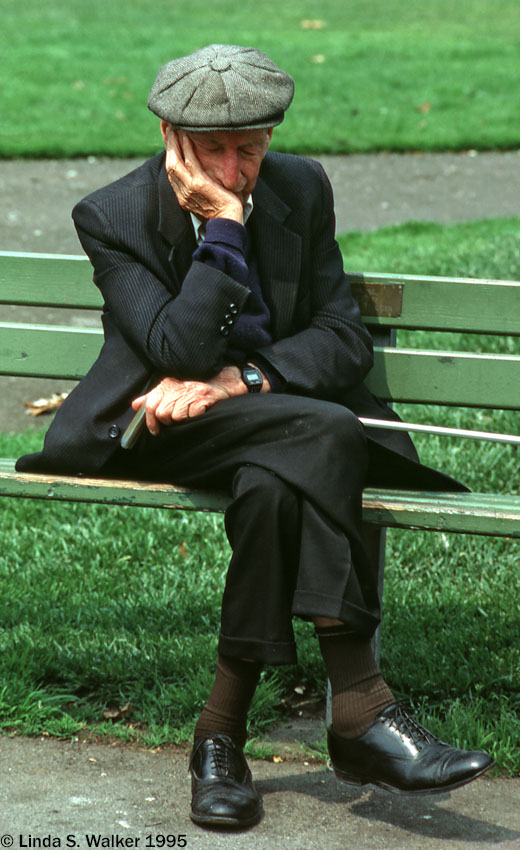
x,y
347,779
223,822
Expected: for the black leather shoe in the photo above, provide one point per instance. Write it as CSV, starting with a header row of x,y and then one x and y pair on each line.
x,y
400,755
221,784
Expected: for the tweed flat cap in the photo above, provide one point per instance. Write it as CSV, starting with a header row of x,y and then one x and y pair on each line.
x,y
222,87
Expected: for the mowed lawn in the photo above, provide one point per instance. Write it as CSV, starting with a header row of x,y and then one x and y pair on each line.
x,y
106,609
370,75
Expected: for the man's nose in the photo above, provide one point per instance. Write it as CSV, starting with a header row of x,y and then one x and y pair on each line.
x,y
229,171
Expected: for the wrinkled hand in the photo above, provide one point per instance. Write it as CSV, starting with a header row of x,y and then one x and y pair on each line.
x,y
173,400
195,190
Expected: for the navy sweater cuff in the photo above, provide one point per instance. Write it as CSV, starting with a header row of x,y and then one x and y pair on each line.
x,y
225,231
223,248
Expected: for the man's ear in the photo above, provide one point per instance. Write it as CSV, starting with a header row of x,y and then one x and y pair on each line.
x,y
165,129
269,137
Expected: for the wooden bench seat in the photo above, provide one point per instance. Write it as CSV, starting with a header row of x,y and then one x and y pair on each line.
x,y
470,513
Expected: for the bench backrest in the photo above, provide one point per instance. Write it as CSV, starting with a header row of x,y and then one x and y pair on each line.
x,y
437,375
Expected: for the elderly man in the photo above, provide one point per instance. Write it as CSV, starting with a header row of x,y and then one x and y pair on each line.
x,y
228,320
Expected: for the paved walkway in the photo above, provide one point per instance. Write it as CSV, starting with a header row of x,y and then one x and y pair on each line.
x,y
370,192
69,791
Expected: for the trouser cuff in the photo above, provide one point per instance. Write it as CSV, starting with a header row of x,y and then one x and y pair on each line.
x,y
265,652
310,605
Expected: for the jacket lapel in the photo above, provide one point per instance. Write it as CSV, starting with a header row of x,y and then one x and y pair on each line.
x,y
278,255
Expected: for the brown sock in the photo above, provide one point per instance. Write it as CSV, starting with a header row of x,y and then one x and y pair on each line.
x,y
228,703
359,691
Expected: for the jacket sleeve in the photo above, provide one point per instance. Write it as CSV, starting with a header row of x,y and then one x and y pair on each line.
x,y
179,330
331,349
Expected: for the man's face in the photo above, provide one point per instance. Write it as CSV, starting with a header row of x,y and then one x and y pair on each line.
x,y
232,157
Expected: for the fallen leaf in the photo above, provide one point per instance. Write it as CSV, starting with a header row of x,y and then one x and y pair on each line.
x,y
277,759
114,712
45,405
312,24
424,107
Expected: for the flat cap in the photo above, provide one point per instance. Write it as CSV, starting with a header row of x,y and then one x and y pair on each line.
x,y
222,87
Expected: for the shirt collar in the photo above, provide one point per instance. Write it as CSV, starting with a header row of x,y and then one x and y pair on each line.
x,y
199,225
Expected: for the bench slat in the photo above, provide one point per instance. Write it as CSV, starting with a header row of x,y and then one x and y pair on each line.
x,y
47,280
471,513
105,491
403,301
43,351
435,377
448,378
438,304
465,513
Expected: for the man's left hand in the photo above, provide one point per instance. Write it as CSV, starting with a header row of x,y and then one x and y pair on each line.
x,y
173,400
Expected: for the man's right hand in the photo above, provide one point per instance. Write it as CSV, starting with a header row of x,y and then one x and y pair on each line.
x,y
194,189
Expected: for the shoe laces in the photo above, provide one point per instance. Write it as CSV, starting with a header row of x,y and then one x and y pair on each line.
x,y
408,728
220,756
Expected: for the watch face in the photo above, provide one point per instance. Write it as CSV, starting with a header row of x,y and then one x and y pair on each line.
x,y
252,379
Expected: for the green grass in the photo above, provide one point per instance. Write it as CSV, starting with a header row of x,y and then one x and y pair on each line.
x,y
104,606
376,75
485,248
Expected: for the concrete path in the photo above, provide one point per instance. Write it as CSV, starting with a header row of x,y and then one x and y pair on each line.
x,y
370,192
73,791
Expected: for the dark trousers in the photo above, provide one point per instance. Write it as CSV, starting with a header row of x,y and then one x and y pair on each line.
x,y
296,468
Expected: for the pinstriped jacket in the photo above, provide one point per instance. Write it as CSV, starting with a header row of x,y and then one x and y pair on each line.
x,y
164,314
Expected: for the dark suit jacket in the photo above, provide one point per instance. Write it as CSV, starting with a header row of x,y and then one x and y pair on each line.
x,y
165,315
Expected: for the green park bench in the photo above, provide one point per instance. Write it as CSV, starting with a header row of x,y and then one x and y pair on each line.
x,y
388,303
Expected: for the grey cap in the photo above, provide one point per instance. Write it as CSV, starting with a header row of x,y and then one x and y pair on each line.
x,y
222,87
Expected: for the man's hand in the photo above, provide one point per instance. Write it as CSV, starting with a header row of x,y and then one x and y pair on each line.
x,y
195,190
173,400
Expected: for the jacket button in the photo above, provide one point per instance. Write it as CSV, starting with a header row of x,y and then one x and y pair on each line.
x,y
233,309
228,319
114,432
224,330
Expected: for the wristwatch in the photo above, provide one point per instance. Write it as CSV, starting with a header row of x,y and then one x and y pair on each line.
x,y
252,378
